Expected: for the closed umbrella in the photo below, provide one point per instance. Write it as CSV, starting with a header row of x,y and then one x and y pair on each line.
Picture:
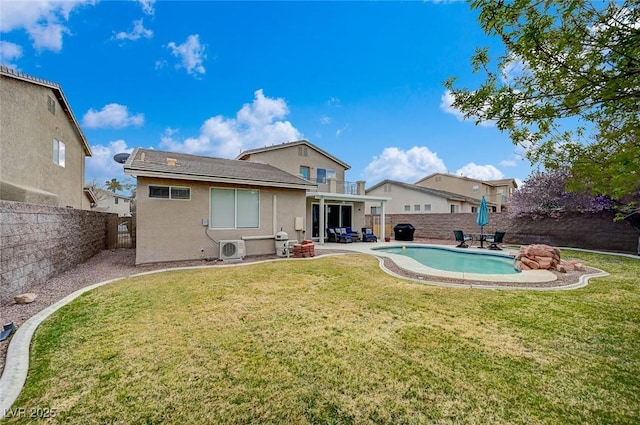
x,y
483,218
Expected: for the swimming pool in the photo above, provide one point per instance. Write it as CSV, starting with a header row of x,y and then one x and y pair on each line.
x,y
455,260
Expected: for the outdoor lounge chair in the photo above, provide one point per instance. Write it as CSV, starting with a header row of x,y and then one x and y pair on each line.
x,y
495,240
368,236
354,235
460,237
337,234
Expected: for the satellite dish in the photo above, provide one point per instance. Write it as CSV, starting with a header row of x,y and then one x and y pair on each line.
x,y
121,158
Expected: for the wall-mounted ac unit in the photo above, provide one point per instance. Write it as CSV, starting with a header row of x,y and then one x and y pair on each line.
x,y
232,250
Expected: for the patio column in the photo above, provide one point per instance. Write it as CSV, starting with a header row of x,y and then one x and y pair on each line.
x,y
321,223
382,220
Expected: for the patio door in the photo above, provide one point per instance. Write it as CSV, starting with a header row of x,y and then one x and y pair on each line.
x,y
335,215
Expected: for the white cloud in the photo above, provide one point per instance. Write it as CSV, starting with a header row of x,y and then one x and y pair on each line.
x,y
324,120
342,130
112,115
42,20
191,54
480,172
9,52
101,167
136,33
147,6
260,123
446,104
507,163
406,166
334,101
513,68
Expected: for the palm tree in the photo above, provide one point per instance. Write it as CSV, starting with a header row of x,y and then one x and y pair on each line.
x,y
113,185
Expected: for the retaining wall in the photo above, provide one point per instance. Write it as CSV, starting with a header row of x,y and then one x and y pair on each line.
x,y
576,230
38,242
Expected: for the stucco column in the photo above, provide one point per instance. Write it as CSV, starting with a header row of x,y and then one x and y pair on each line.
x,y
360,187
382,220
321,224
333,185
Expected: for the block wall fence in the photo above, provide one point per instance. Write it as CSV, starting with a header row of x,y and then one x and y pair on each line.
x,y
577,230
39,242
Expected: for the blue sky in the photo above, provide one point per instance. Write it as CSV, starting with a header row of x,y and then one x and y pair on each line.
x,y
361,80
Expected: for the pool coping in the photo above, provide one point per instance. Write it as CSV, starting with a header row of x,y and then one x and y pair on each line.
x,y
411,265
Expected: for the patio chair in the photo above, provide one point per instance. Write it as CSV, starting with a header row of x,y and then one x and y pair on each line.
x,y
495,240
342,235
368,236
354,235
331,235
460,237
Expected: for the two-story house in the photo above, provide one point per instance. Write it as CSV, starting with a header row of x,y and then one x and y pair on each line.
x,y
496,192
413,199
107,201
42,147
333,202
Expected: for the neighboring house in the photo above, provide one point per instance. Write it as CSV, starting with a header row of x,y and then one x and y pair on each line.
x,y
187,204
332,202
107,201
42,148
497,192
409,198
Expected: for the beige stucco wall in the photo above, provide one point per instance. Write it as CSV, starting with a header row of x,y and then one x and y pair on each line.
x,y
465,187
27,170
401,196
287,159
172,230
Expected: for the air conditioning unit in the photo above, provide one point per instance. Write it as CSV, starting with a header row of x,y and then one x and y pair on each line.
x,y
231,250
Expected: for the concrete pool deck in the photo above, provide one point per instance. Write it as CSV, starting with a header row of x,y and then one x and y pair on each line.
x,y
411,265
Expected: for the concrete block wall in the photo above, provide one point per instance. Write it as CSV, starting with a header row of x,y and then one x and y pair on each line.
x,y
38,242
578,230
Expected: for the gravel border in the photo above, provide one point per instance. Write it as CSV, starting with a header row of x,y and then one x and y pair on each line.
x,y
118,263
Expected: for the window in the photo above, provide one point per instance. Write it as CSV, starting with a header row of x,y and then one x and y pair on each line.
x,y
302,151
51,105
455,208
376,210
324,174
180,193
474,209
234,209
416,207
407,208
304,172
170,192
476,188
116,200
58,152
427,207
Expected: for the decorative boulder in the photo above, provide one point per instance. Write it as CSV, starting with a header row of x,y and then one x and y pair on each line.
x,y
27,298
538,256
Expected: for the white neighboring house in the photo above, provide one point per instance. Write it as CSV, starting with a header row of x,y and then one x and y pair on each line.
x,y
107,201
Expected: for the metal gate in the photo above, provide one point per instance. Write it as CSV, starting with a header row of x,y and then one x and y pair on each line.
x,y
121,232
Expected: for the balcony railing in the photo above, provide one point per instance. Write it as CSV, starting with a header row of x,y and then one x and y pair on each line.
x,y
330,185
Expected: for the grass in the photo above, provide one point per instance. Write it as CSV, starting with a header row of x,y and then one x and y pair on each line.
x,y
336,340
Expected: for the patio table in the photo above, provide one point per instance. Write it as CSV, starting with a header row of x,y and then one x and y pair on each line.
x,y
482,237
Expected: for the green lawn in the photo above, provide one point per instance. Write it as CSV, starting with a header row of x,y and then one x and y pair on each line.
x,y
336,340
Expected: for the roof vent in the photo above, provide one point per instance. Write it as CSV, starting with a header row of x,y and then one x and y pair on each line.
x,y
171,162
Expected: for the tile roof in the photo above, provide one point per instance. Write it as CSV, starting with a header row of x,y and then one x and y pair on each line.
x,y
500,182
429,191
155,163
57,90
245,154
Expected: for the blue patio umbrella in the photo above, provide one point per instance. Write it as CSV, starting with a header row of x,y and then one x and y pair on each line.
x,y
483,218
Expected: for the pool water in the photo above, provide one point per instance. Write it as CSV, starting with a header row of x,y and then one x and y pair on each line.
x,y
454,260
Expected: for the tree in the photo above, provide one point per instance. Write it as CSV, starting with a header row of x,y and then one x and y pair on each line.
x,y
544,194
566,89
113,185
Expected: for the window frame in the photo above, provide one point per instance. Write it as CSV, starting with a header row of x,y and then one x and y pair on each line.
x,y
59,155
236,226
169,192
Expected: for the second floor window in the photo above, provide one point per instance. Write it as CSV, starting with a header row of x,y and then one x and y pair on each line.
x,y
304,172
59,152
325,173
